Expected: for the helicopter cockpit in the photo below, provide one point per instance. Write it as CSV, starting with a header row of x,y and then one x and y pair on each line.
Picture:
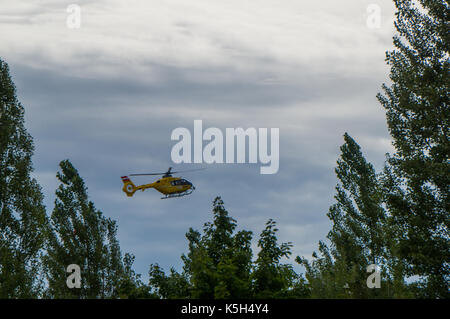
x,y
180,182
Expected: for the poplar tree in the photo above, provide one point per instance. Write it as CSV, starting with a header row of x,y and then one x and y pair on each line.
x,y
417,112
22,214
81,235
359,236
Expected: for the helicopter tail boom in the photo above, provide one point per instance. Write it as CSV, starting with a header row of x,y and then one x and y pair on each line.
x,y
128,187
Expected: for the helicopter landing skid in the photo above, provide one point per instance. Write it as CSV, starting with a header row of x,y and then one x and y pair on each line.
x,y
178,194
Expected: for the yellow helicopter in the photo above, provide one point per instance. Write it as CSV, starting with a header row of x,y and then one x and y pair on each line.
x,y
168,185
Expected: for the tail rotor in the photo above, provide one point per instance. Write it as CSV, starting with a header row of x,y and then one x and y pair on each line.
x,y
128,187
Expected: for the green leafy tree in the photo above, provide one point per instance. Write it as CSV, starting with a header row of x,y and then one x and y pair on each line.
x,y
359,236
131,285
417,111
81,235
173,286
22,215
217,265
322,277
271,278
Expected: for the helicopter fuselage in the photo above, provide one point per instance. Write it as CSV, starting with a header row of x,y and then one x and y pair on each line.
x,y
170,185
165,185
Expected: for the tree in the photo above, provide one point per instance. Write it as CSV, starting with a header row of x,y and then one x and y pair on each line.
x,y
174,286
271,279
22,214
359,236
131,286
417,112
218,263
81,235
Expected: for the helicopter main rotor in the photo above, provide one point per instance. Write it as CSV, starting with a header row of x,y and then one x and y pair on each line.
x,y
168,173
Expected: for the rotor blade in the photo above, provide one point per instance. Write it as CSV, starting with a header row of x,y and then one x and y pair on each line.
x,y
169,172
189,170
147,174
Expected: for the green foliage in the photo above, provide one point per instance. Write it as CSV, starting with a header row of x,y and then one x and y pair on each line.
x,y
131,286
417,111
359,235
81,235
22,215
174,286
271,279
219,265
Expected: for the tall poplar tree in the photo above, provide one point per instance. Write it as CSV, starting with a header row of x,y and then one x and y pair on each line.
x,y
22,214
81,235
417,111
359,236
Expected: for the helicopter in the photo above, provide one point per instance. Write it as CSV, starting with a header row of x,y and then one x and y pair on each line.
x,y
168,185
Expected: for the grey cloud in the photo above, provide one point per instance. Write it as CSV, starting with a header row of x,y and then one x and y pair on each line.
x,y
113,124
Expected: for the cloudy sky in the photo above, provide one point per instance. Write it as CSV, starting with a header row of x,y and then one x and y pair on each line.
x,y
108,95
